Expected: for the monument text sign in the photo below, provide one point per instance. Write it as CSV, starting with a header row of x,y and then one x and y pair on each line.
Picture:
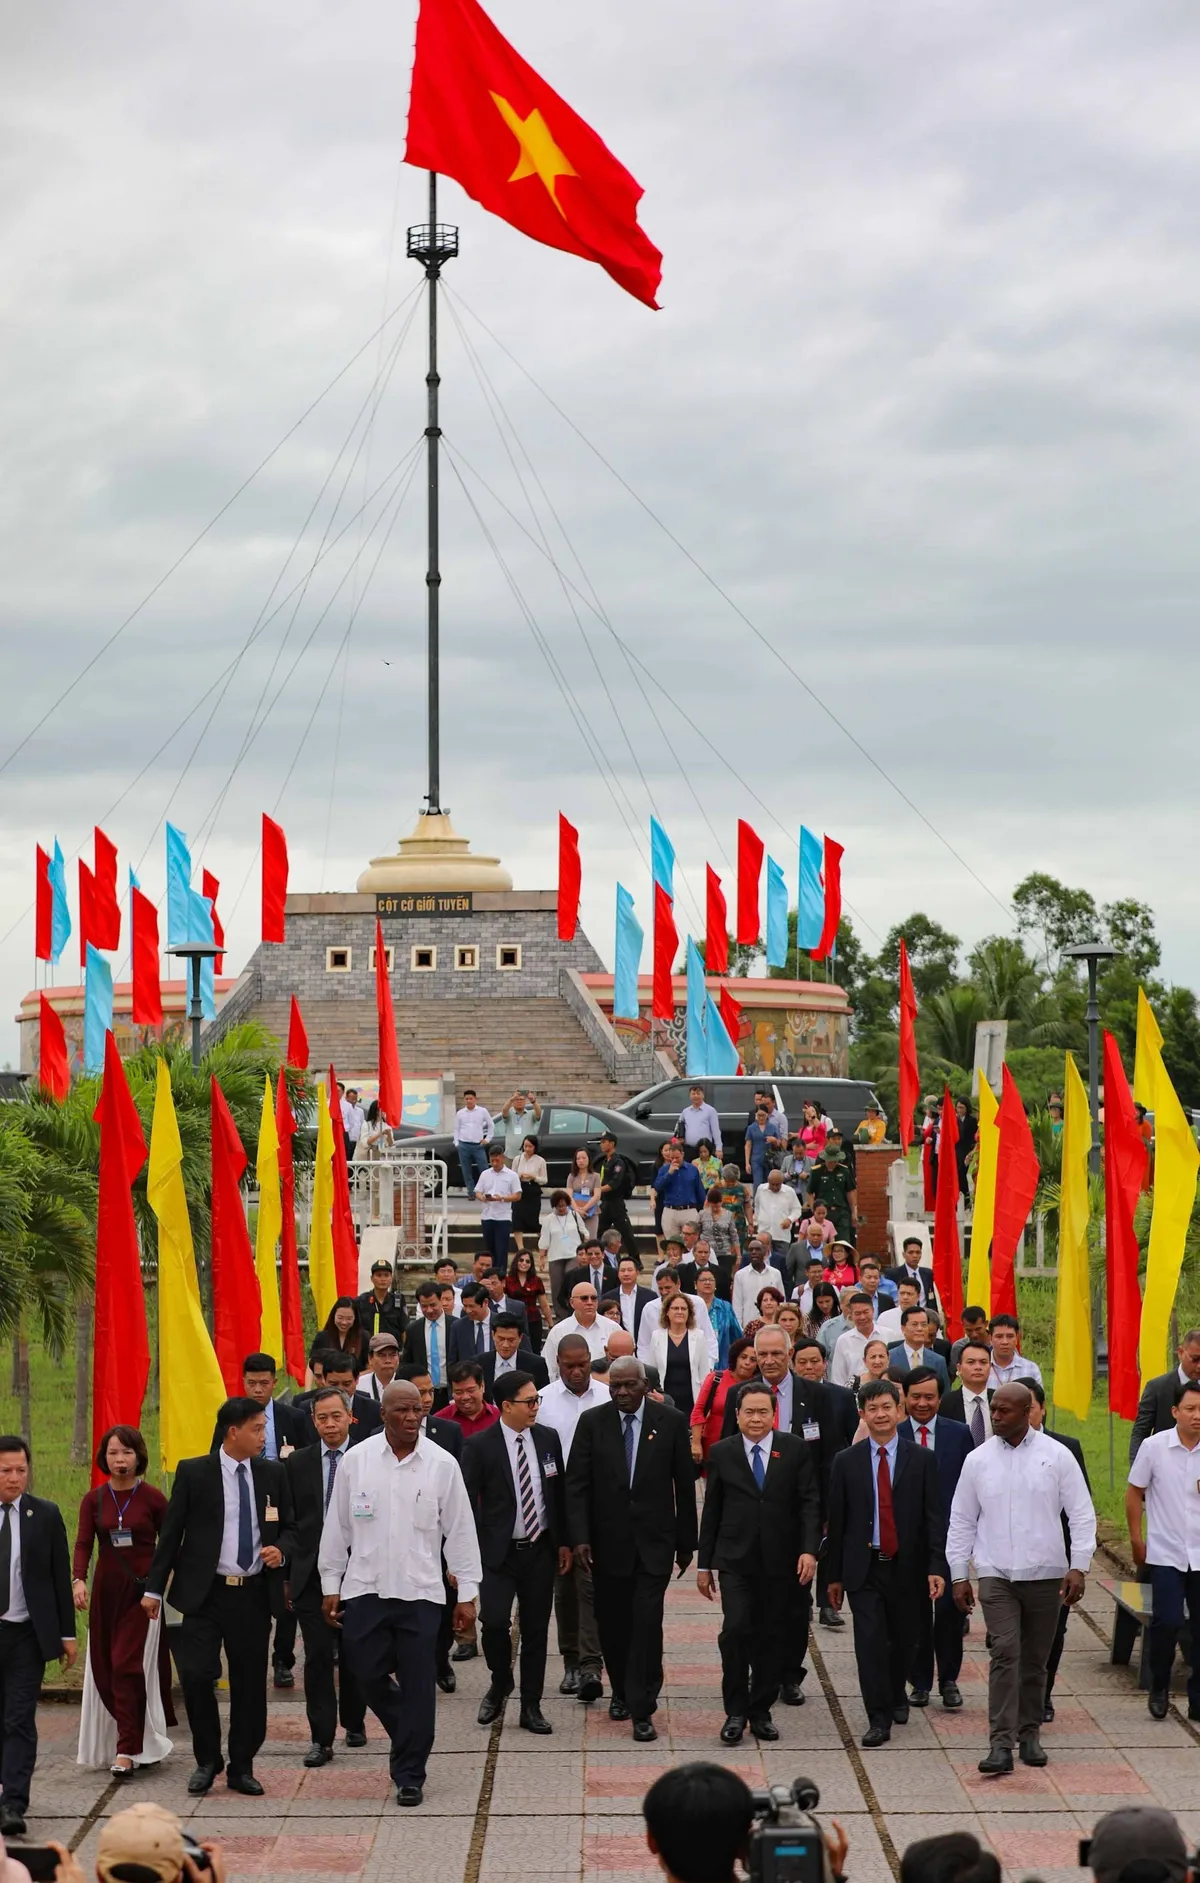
x,y
424,902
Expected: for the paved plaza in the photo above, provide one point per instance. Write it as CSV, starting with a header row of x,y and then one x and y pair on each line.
x,y
505,1807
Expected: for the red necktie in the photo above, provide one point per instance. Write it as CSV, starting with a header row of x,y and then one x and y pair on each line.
x,y
889,1542
925,1437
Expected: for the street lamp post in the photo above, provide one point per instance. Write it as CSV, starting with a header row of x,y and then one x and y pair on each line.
x,y
194,953
1093,953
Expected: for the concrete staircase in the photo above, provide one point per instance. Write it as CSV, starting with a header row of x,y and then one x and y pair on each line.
x,y
490,1044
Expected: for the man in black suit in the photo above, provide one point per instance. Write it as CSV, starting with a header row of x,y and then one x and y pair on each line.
x,y
1037,1416
631,1512
630,1296
471,1334
514,1477
886,1547
1154,1413
426,1344
366,1418
909,1269
760,1531
510,1354
37,1622
311,1473
593,1266
225,1540
969,1400
940,1641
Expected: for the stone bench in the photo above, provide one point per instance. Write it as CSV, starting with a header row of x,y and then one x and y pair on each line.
x,y
1131,1618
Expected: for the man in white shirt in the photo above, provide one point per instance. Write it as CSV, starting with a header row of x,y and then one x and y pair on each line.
x,y
497,1189
776,1211
847,1362
1009,1366
1007,1516
667,1285
583,1320
888,1325
1164,1489
398,1501
698,1120
560,1406
631,1297
472,1131
353,1119
757,1273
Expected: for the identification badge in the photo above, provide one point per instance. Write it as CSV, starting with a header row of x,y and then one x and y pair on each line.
x,y
271,1514
550,1469
362,1506
812,1431
122,1539
286,1450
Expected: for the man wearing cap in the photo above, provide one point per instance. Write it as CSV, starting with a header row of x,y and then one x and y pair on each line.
x,y
1164,1491
616,1187
147,1841
381,1309
832,1181
1141,1842
383,1357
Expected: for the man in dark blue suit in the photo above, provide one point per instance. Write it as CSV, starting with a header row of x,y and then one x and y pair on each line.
x,y
940,1637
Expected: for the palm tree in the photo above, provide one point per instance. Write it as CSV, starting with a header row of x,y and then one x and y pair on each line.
x,y
47,1217
1012,987
947,1024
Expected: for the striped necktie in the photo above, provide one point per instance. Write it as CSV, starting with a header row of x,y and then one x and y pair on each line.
x,y
529,1516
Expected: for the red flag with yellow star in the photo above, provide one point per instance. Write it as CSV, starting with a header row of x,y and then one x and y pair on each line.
x,y
479,114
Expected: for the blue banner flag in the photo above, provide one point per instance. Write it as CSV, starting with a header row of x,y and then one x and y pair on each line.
x,y
627,959
60,914
662,857
722,1054
777,937
179,889
810,919
697,1052
97,1009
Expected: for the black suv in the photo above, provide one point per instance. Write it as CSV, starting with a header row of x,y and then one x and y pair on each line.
x,y
843,1100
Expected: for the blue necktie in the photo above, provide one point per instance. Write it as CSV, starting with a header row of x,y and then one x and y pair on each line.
x,y
479,1337
245,1553
333,1457
435,1365
630,1435
759,1468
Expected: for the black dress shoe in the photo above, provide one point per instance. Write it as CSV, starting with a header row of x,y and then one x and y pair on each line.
x,y
465,1651
1159,1704
284,1677
447,1679
1031,1751
733,1729
317,1755
829,1618
617,1709
1047,1713
919,1697
900,1713
570,1681
764,1727
200,1781
492,1704
878,1734
644,1731
409,1795
591,1687
12,1821
791,1693
951,1697
356,1739
998,1760
244,1782
534,1720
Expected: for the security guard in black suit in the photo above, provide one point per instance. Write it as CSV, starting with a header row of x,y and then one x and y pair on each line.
x,y
311,1473
37,1622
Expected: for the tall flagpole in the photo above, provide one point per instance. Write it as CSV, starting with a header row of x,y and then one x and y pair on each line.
x,y
432,245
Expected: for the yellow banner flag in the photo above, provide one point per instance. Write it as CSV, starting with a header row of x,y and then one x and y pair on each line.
x,y
321,1277
1073,1310
1147,1052
190,1385
1176,1161
979,1268
270,1223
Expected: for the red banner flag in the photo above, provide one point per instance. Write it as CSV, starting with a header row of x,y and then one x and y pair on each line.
x,y
106,909
120,1342
1017,1171
297,1046
391,1081
731,1014
54,1068
479,114
666,947
947,1254
147,1007
716,927
1124,1168
44,920
910,1075
834,852
291,1312
210,887
88,931
570,876
237,1298
345,1248
749,875
274,880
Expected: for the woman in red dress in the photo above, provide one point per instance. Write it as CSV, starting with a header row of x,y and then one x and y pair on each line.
x,y
524,1284
122,1518
708,1413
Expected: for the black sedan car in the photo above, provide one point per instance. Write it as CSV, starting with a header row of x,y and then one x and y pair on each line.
x,y
561,1131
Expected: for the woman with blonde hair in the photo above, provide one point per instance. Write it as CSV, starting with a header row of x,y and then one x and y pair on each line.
x,y
680,1352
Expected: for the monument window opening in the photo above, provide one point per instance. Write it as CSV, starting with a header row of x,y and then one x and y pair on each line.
x,y
508,955
389,955
337,961
466,958
424,960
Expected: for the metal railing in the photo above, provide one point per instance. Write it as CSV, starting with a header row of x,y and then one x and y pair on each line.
x,y
406,1192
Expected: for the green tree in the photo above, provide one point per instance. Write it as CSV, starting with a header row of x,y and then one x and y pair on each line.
x,y
946,1024
1129,927
1058,916
932,955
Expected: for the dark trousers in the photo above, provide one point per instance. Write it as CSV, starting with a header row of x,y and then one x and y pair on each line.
x,y
794,1645
575,1614
614,1215
1172,1590
629,1617
527,1577
322,1701
472,1162
283,1647
495,1237
759,1613
939,1643
390,1648
21,1671
238,1619
1056,1649
1021,1618
885,1625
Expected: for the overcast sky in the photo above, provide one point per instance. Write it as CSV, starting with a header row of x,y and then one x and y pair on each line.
x,y
922,397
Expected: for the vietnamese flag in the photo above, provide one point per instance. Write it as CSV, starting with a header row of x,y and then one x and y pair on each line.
x,y
106,910
54,1067
120,1342
147,1009
44,921
297,1043
479,114
1017,1173
834,852
570,877
274,880
666,947
749,875
716,925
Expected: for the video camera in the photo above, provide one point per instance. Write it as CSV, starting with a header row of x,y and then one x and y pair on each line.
x,y
787,1844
